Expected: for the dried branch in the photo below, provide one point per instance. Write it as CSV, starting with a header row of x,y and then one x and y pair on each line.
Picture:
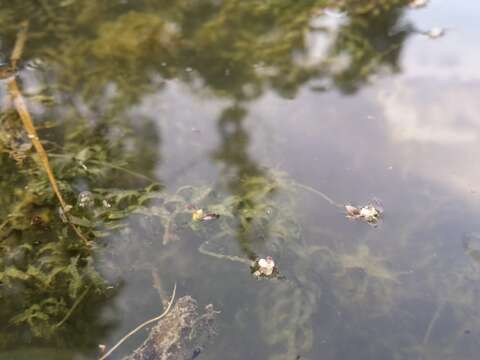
x,y
22,110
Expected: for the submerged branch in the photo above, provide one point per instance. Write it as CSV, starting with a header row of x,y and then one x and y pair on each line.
x,y
22,110
139,327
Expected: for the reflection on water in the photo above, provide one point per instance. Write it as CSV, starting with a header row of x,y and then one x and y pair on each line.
x,y
156,107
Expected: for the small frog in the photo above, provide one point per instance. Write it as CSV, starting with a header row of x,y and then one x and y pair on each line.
x,y
370,213
264,268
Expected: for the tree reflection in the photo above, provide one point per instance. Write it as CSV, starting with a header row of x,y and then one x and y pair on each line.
x,y
232,154
236,49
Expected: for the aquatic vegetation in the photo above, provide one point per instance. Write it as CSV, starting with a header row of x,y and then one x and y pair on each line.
x,y
285,316
372,265
52,274
471,245
47,283
261,213
286,305
49,273
263,217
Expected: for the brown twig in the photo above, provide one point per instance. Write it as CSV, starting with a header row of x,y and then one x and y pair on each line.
x,y
22,110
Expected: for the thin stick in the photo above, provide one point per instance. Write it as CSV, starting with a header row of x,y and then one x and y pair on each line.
x,y
72,309
319,193
434,319
142,325
22,110
222,256
436,315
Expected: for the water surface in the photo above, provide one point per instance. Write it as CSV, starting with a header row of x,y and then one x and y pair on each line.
x,y
355,102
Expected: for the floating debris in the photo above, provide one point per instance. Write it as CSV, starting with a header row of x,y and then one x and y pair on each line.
x,y
182,334
19,154
201,215
417,4
264,267
371,213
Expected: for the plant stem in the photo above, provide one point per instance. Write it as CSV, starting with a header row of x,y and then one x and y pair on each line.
x,y
72,309
106,164
239,259
319,193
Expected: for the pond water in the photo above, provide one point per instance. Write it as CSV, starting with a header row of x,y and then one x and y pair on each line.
x,y
273,114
